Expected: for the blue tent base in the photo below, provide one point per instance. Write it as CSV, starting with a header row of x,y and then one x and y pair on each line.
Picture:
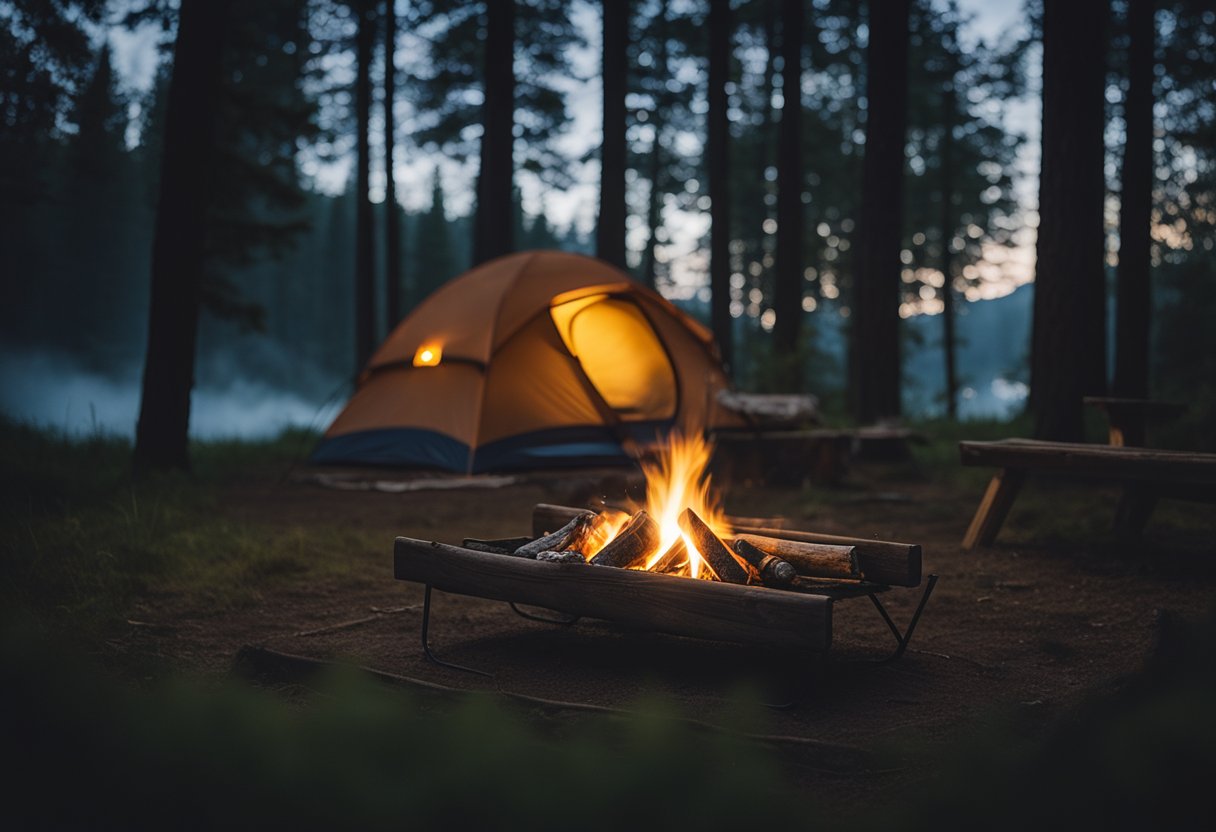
x,y
576,447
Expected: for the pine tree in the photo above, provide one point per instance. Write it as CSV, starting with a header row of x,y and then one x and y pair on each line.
x,y
46,58
392,209
662,44
959,205
610,225
99,200
874,348
1134,293
365,326
787,299
537,35
1068,346
717,153
188,165
434,261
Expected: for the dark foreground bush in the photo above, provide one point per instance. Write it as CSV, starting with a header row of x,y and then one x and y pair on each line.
x,y
87,751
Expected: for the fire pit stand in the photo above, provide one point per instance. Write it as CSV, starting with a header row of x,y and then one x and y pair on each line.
x,y
714,610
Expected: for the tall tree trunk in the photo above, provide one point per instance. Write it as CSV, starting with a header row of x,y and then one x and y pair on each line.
x,y
764,145
654,172
1068,346
949,114
1134,309
365,279
610,228
654,210
788,293
874,361
392,211
493,224
717,138
179,239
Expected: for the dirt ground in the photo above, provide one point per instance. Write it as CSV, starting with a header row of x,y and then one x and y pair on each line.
x,y
1022,631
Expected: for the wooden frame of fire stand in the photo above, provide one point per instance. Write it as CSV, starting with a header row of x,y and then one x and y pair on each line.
x,y
753,615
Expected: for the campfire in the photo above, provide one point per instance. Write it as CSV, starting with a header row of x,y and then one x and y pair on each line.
x,y
683,531
674,564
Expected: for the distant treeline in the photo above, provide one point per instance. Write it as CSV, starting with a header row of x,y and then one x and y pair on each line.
x,y
77,256
304,81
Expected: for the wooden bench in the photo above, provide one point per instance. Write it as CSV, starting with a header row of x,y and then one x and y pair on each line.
x,y
1145,475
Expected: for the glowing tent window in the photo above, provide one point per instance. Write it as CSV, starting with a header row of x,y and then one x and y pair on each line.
x,y
620,354
428,355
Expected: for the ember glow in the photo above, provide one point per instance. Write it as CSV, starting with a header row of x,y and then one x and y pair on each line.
x,y
607,524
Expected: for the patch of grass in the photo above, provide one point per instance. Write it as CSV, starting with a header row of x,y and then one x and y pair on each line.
x,y
45,468
79,540
219,459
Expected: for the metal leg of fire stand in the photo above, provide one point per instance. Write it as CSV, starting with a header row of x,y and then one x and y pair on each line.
x,y
906,636
564,622
426,647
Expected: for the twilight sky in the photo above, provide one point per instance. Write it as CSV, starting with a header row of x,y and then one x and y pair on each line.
x,y
136,61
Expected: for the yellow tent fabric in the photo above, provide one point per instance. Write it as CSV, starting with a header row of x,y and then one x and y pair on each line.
x,y
531,360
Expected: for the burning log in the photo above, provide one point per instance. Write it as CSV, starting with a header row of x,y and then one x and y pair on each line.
x,y
819,560
881,561
569,556
563,539
773,570
638,539
720,559
672,558
506,546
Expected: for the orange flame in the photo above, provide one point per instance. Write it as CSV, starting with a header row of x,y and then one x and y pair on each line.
x,y
676,480
606,525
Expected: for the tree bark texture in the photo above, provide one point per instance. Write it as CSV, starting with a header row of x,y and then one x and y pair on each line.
x,y
1134,303
949,115
1068,347
365,278
610,227
392,211
875,362
180,236
654,173
493,224
788,292
718,138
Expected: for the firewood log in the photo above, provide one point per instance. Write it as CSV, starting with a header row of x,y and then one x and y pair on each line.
x,y
834,587
636,541
881,561
773,570
720,559
673,557
565,538
818,560
505,546
561,557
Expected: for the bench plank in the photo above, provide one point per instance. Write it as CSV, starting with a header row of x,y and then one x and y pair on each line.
x,y
1123,464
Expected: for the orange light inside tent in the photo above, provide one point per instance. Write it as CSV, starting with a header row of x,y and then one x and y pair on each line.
x,y
428,355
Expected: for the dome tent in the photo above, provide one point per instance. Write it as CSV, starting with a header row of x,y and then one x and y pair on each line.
x,y
533,360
